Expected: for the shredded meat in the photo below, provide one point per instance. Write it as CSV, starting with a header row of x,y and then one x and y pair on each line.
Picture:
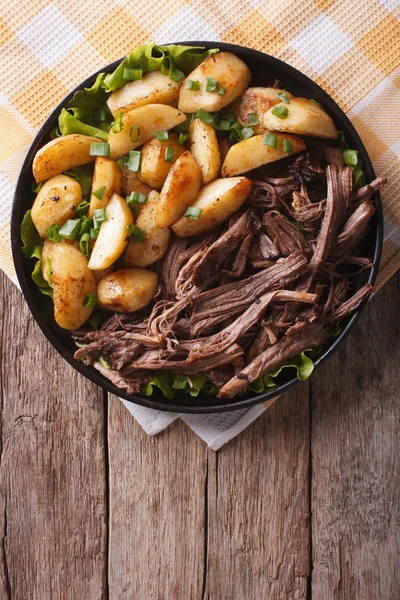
x,y
284,234
346,308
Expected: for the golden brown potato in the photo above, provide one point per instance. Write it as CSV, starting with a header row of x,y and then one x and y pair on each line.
x,y
113,236
155,168
252,153
179,190
153,88
106,174
56,202
257,100
62,154
71,280
155,243
101,273
131,183
140,125
217,201
304,118
127,290
204,148
230,72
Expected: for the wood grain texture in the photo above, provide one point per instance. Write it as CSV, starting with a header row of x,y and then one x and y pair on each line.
x,y
355,460
52,477
157,510
258,508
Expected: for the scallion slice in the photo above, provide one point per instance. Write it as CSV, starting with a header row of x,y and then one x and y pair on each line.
x,y
177,75
132,74
182,138
236,131
204,116
280,111
90,301
221,90
84,244
99,216
270,139
82,208
162,135
135,134
100,115
252,119
350,157
224,125
93,233
99,149
136,233
287,146
169,154
193,85
247,132
282,96
193,212
211,84
117,125
136,198
52,233
358,178
85,226
100,192
134,160
70,229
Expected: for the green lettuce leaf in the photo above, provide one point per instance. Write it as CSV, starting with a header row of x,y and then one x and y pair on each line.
x,y
31,240
93,97
192,386
40,281
303,364
162,380
84,175
78,120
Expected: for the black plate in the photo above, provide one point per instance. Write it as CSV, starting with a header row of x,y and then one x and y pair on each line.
x,y
265,70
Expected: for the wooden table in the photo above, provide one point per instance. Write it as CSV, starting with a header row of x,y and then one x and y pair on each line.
x,y
303,504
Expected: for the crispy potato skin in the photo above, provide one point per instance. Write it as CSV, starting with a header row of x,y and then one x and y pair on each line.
x,y
112,239
155,243
304,118
179,190
106,173
62,154
72,280
230,72
204,148
257,100
132,183
252,153
56,202
149,119
218,201
153,88
127,290
155,168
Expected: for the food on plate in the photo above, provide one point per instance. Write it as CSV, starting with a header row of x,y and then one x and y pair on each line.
x,y
196,234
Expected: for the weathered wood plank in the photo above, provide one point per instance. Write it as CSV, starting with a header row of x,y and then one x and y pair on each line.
x,y
52,478
157,490
258,507
355,461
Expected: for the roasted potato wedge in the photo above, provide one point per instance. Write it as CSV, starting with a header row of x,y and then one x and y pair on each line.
x,y
252,153
112,238
204,148
155,168
304,118
218,201
131,183
106,174
62,154
155,243
101,273
71,280
127,290
230,72
257,100
56,202
153,88
179,190
145,120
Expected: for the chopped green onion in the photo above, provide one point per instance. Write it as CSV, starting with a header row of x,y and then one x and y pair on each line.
x,y
133,74
162,135
136,233
211,84
100,115
280,111
117,125
84,244
99,149
100,215
120,162
177,75
86,224
350,157
136,198
93,233
252,119
247,132
282,96
52,233
82,208
270,139
204,116
169,154
287,146
70,229
102,361
193,212
182,138
99,193
224,125
236,132
134,160
135,134
90,301
358,178
221,90
36,188
193,85
315,102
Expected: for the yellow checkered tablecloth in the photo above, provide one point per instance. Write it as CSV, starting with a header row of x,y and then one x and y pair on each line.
x,y
352,49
